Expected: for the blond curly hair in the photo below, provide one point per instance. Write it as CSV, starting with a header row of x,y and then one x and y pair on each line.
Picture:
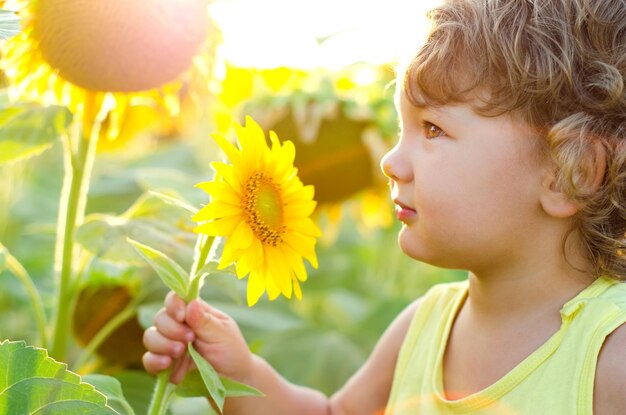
x,y
561,66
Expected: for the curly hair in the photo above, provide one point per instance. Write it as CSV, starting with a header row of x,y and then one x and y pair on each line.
x,y
561,66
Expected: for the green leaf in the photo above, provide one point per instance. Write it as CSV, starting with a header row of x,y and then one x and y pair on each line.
x,y
112,389
172,274
211,379
3,258
28,130
193,385
150,221
9,24
174,201
32,382
236,389
138,387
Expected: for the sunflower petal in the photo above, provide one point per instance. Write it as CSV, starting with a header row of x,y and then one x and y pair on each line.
x,y
229,254
219,227
295,261
232,152
272,289
303,245
300,208
255,289
242,266
297,290
216,210
226,171
221,191
305,226
242,236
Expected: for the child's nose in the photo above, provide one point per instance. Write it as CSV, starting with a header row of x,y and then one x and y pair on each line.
x,y
395,166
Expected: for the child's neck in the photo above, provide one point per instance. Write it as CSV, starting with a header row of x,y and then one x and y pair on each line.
x,y
498,298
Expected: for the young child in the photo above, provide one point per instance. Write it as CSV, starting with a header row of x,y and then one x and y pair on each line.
x,y
511,164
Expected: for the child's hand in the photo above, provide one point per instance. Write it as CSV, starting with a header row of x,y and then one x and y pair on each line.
x,y
215,336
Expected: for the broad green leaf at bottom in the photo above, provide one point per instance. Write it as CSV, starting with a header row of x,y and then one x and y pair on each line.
x,y
31,382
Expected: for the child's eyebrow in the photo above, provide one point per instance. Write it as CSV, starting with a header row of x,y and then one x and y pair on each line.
x,y
421,106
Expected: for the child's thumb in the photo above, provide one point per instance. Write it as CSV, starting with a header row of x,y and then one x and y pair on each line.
x,y
202,320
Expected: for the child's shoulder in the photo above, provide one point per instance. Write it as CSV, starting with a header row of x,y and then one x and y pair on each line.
x,y
610,379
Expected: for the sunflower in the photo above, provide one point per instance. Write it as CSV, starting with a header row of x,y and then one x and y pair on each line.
x,y
263,210
143,59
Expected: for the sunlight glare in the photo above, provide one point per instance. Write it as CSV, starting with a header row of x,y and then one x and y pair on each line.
x,y
324,33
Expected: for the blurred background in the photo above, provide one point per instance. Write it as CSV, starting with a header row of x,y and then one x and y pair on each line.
x,y
318,73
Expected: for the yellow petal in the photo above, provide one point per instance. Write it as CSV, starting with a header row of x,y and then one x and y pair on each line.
x,y
285,161
229,254
300,208
216,210
242,266
305,193
221,191
303,225
295,262
256,288
227,147
255,254
219,227
272,289
297,290
226,171
255,132
280,271
242,236
303,245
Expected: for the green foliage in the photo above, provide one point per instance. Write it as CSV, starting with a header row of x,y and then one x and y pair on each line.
x,y
150,220
3,258
31,382
172,274
217,387
112,389
27,130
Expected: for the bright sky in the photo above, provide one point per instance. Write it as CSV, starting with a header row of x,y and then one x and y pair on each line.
x,y
271,33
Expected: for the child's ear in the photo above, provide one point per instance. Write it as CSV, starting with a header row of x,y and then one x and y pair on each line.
x,y
585,178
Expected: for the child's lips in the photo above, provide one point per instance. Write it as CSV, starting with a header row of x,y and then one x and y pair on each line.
x,y
403,212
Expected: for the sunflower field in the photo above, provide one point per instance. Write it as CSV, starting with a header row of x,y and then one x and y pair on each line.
x,y
135,159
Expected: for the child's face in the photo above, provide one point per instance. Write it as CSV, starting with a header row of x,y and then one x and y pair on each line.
x,y
466,187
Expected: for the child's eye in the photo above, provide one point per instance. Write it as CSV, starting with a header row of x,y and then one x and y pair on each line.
x,y
432,131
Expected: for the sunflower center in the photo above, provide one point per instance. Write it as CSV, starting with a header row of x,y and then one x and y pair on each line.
x,y
263,209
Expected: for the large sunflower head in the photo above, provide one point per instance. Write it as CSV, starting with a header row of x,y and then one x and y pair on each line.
x,y
263,210
143,55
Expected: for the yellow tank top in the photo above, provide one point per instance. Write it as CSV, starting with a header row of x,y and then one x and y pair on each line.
x,y
556,379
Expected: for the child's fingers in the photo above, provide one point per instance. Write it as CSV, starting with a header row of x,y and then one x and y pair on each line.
x,y
205,321
171,328
175,306
157,343
181,368
155,363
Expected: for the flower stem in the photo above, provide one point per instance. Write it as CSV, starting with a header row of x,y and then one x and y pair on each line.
x,y
158,405
204,243
71,212
160,398
40,316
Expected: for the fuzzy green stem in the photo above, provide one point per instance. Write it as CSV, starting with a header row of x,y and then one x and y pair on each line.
x,y
158,404
71,212
40,316
160,398
204,244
